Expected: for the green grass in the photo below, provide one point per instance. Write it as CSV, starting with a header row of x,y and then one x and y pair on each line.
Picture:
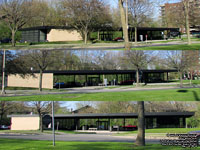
x,y
45,131
166,130
192,94
28,88
25,131
15,144
171,47
20,88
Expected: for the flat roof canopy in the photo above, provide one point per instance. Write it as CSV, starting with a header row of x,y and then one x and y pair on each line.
x,y
116,115
126,115
97,72
104,28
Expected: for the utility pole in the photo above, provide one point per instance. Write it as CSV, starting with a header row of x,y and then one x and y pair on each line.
x,y
53,127
3,75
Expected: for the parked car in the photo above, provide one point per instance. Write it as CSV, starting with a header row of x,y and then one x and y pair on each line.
x,y
127,82
6,40
59,85
4,127
73,84
119,39
129,128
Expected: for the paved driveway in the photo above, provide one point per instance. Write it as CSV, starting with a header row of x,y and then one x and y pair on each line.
x,y
77,137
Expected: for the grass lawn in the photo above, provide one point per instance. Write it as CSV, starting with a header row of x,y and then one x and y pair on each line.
x,y
191,94
27,88
171,47
25,131
11,144
165,130
45,131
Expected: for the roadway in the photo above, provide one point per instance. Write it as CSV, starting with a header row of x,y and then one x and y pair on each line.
x,y
77,137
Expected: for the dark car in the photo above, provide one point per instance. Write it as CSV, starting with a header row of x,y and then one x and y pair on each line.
x,y
4,127
119,39
127,82
73,84
129,128
6,40
59,85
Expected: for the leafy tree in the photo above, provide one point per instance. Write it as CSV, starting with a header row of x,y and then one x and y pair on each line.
x,y
4,108
49,14
15,13
14,64
4,31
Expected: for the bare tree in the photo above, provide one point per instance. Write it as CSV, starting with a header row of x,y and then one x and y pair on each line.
x,y
138,59
186,4
176,60
42,108
4,108
140,140
16,13
191,58
42,59
83,15
140,11
124,22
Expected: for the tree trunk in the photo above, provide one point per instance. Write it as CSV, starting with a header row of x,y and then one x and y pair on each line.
x,y
13,38
135,35
137,78
124,24
41,124
181,79
98,36
86,36
191,78
40,80
186,5
140,140
1,118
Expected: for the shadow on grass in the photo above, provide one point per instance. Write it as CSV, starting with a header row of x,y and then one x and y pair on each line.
x,y
196,96
182,91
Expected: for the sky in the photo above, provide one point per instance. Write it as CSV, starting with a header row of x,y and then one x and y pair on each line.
x,y
114,3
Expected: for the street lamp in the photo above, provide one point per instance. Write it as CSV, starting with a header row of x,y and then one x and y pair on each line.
x,y
3,75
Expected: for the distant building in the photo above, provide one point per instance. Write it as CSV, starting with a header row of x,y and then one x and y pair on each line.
x,y
50,34
86,109
101,121
121,77
173,15
60,34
